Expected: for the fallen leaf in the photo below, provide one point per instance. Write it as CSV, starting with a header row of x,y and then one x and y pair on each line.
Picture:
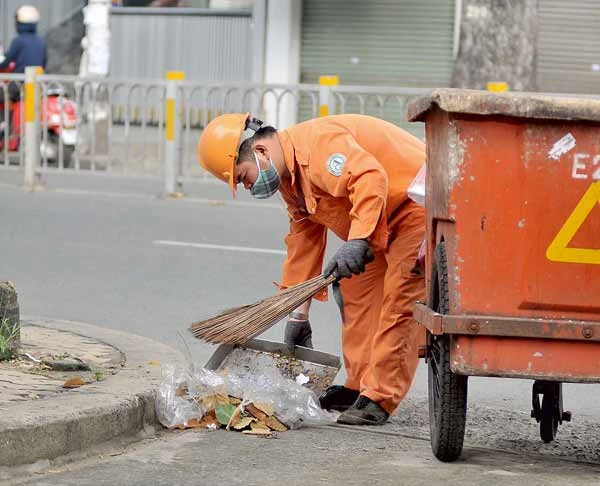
x,y
224,413
265,407
271,421
206,421
234,400
74,382
181,391
154,363
193,423
257,432
211,401
243,422
209,419
258,428
235,416
264,432
259,424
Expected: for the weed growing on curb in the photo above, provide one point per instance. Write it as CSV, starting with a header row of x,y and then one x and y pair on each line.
x,y
8,335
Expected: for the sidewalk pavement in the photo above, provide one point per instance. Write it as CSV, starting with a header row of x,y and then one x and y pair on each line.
x,y
41,419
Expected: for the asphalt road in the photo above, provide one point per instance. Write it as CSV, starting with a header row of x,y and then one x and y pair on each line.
x,y
93,249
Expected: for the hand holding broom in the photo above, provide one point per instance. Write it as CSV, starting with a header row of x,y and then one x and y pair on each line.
x,y
241,324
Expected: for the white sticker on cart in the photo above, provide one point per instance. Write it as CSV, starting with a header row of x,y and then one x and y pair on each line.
x,y
562,146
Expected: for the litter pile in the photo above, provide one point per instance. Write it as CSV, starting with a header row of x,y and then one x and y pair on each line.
x,y
258,401
225,411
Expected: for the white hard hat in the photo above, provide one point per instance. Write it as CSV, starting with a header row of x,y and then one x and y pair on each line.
x,y
28,14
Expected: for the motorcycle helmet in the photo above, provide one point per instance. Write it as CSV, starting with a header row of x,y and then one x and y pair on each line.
x,y
27,14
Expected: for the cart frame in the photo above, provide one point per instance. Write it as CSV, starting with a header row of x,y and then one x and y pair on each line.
x,y
492,162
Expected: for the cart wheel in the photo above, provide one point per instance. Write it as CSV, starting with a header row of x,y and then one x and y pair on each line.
x,y
549,419
447,391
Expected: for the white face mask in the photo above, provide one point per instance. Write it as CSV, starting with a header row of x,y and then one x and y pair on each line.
x,y
267,182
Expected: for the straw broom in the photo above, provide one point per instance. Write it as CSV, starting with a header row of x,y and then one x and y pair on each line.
x,y
241,324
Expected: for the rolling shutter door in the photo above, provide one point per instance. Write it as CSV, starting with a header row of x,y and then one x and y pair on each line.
x,y
568,58
378,42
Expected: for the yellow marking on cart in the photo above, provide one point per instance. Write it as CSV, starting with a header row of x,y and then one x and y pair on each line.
x,y
558,251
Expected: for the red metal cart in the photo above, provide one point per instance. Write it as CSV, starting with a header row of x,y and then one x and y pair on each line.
x,y
513,250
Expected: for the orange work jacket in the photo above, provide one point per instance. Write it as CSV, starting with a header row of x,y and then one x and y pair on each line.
x,y
349,174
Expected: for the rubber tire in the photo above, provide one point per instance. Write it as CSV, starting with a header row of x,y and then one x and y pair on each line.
x,y
549,421
67,152
447,404
68,156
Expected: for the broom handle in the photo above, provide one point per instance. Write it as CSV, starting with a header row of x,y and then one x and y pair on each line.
x,y
329,280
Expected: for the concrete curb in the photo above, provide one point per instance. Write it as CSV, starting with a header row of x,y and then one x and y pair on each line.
x,y
87,416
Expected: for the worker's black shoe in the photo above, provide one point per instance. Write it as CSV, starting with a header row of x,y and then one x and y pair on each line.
x,y
364,412
338,397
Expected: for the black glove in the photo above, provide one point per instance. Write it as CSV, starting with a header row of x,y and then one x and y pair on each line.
x,y
350,259
298,333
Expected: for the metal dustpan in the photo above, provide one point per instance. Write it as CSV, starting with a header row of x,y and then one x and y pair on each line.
x,y
320,368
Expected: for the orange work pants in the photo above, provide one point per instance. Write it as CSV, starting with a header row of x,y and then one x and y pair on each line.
x,y
379,336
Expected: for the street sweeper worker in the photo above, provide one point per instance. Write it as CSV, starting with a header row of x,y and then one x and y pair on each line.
x,y
348,174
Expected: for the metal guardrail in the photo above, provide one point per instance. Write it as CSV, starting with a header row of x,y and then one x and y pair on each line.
x,y
151,128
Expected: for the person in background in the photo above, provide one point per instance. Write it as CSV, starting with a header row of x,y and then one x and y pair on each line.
x,y
28,48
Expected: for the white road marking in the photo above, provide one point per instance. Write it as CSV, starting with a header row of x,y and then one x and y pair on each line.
x,y
247,249
185,199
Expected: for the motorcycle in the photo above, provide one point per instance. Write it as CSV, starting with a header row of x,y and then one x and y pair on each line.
x,y
58,120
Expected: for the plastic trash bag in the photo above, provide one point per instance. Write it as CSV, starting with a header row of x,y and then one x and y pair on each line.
x,y
175,404
179,397
416,189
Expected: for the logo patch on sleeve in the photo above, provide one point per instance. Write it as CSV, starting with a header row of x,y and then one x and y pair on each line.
x,y
335,164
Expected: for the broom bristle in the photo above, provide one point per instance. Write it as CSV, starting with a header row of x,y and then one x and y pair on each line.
x,y
241,324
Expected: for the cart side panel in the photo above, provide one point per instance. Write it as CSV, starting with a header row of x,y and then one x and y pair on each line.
x,y
510,199
543,359
441,134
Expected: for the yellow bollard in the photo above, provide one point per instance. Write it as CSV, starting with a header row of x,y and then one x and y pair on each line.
x,y
170,104
32,126
497,86
326,103
171,131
